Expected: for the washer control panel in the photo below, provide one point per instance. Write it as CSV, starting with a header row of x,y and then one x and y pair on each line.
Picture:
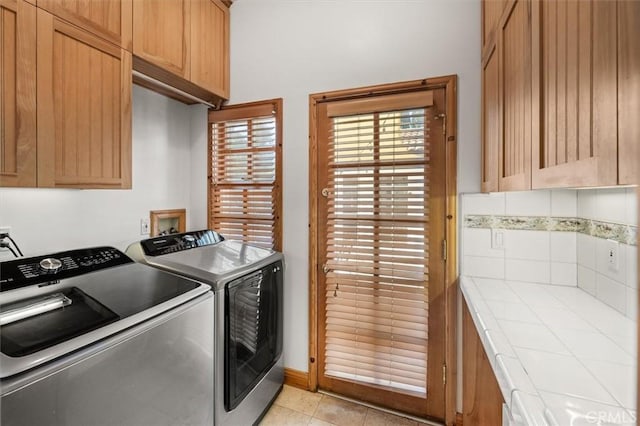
x,y
179,242
52,267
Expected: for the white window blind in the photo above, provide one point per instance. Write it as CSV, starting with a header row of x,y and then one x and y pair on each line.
x,y
245,176
377,249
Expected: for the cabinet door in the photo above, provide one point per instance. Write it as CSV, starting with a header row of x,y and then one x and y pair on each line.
x,y
109,19
490,121
17,93
161,34
628,90
210,46
491,13
84,108
575,94
481,396
514,43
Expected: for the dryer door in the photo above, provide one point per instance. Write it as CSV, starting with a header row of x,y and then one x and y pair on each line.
x,y
253,330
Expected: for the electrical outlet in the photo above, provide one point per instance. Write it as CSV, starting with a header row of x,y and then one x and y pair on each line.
x,y
5,230
612,254
497,239
144,226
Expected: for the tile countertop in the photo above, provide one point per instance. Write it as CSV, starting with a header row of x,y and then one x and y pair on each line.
x,y
560,356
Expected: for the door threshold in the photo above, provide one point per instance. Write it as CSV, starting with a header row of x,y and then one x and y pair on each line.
x,y
383,409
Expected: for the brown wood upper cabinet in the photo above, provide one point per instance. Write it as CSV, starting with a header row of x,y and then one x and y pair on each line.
x,y
491,13
514,64
17,93
210,46
84,108
109,19
575,112
188,39
506,96
491,138
628,91
568,94
161,34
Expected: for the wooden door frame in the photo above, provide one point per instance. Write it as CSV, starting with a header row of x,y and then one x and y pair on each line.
x,y
451,269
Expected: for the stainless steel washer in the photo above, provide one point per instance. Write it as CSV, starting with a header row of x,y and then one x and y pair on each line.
x,y
247,283
90,337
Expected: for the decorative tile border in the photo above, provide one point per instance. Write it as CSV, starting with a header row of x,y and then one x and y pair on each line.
x,y
625,234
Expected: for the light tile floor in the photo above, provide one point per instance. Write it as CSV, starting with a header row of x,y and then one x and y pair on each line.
x,y
298,407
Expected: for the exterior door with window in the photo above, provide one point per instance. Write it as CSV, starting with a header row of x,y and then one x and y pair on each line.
x,y
380,241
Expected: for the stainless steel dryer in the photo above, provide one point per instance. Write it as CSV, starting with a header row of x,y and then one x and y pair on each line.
x,y
247,283
88,337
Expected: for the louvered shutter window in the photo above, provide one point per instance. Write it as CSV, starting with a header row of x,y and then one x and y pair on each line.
x,y
377,246
245,175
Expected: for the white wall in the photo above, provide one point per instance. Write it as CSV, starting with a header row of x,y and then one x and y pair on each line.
x,y
47,220
290,49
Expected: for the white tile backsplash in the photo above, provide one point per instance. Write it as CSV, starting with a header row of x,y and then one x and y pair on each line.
x,y
632,206
611,205
536,271
563,247
587,279
586,250
526,245
492,203
632,303
528,203
486,267
587,202
477,242
611,292
564,203
603,267
632,266
556,257
564,274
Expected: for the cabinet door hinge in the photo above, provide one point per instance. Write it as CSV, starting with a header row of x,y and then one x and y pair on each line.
x,y
444,374
444,250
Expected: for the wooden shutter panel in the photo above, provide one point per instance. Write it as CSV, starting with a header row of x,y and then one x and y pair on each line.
x,y
245,176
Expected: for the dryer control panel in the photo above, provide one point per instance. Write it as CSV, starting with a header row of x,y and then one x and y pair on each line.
x,y
177,242
56,266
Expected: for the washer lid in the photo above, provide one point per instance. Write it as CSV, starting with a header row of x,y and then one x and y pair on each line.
x,y
68,314
215,264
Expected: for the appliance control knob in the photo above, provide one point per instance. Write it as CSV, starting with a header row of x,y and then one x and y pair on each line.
x,y
189,241
50,265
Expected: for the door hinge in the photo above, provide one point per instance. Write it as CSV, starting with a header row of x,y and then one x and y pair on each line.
x,y
444,374
444,250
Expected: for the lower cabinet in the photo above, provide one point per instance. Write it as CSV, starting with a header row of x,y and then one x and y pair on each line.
x,y
83,107
481,397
